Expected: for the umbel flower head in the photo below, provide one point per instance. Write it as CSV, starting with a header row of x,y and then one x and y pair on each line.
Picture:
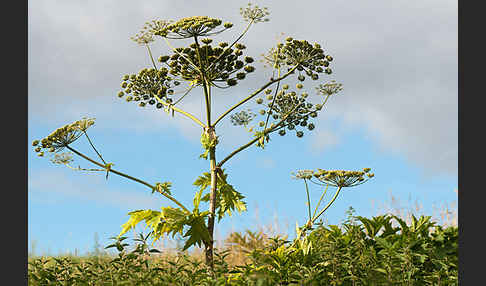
x,y
242,118
63,136
309,59
329,88
292,106
143,87
190,27
223,66
255,14
336,178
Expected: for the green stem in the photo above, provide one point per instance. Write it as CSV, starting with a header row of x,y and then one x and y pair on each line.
x,y
207,95
127,176
328,205
256,139
151,57
180,111
274,96
89,140
320,199
308,199
254,94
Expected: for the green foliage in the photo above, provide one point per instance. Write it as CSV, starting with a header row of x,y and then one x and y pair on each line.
x,y
207,142
227,198
361,251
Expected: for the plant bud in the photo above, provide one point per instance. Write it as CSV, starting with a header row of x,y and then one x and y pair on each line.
x,y
231,82
249,60
270,97
262,112
310,126
300,134
35,142
240,75
285,86
120,94
299,86
249,69
261,123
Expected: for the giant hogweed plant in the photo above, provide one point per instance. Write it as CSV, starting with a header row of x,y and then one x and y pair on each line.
x,y
198,69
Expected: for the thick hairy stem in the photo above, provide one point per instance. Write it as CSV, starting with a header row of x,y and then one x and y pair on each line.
x,y
212,207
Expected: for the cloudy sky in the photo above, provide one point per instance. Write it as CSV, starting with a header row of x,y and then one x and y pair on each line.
x,y
397,114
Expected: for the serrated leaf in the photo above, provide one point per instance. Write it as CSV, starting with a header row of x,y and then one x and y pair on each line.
x,y
203,181
197,233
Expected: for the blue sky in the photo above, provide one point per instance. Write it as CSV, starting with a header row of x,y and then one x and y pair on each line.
x,y
397,114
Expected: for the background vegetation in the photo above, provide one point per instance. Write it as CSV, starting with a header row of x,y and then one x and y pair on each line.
x,y
395,247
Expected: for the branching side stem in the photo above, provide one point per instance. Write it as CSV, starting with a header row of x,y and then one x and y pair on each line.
x,y
127,176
